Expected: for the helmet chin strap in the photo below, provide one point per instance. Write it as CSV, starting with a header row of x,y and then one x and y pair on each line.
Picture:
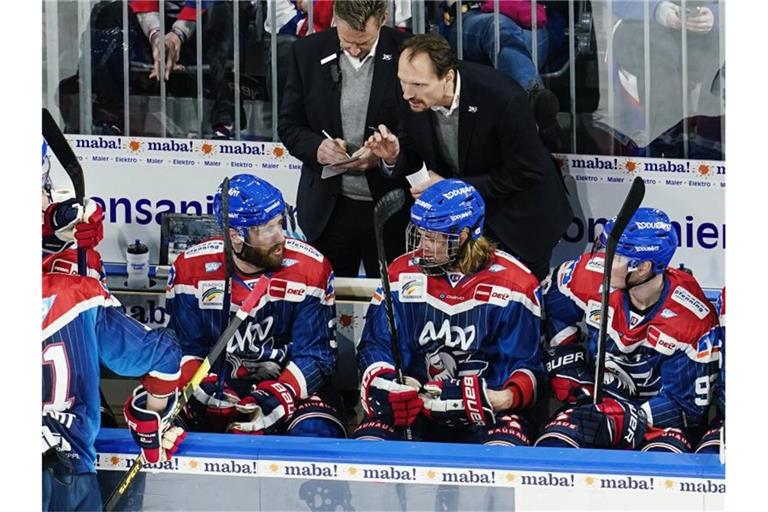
x,y
628,286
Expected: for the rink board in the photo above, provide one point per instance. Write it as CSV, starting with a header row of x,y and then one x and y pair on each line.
x,y
139,178
230,472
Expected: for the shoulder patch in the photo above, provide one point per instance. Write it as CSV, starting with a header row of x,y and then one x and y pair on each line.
x,y
209,247
303,248
413,287
690,302
566,273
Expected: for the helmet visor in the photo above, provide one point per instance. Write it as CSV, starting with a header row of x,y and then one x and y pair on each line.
x,y
432,251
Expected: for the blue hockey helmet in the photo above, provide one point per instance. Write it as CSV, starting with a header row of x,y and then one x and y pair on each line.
x,y
649,236
252,202
448,207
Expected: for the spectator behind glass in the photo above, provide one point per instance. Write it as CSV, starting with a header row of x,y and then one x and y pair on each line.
x,y
515,57
705,70
292,21
145,40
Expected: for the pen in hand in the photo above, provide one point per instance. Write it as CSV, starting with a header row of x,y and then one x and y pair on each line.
x,y
328,136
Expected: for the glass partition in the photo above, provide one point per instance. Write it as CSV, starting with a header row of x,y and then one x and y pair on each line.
x,y
611,77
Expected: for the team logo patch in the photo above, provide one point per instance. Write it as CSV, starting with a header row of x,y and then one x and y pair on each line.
x,y
496,268
413,287
593,315
171,277
454,278
209,247
212,266
211,294
688,301
289,262
567,273
596,264
48,304
287,290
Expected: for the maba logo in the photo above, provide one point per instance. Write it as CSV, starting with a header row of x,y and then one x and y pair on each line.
x,y
134,146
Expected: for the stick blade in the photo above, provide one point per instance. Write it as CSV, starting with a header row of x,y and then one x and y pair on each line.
x,y
631,204
64,154
390,204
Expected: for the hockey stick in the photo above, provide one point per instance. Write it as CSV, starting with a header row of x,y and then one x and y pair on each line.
x,y
387,206
68,160
253,298
628,209
228,268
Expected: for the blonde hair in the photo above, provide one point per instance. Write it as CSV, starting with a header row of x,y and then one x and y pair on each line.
x,y
474,255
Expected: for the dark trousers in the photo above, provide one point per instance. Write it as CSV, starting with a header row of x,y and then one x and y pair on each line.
x,y
70,492
348,238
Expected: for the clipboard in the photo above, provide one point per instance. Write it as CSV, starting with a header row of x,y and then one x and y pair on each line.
x,y
331,170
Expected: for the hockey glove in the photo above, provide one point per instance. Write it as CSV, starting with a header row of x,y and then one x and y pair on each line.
x,y
611,424
510,430
151,430
269,405
205,411
458,402
385,399
568,373
65,222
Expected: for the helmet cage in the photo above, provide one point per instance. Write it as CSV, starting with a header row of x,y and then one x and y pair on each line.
x,y
428,259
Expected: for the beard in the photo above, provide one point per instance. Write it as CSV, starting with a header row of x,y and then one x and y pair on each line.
x,y
262,258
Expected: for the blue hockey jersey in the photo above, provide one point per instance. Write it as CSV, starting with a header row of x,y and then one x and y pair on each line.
x,y
449,326
666,361
288,336
83,326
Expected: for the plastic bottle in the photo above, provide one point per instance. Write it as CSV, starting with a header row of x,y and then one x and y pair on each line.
x,y
137,258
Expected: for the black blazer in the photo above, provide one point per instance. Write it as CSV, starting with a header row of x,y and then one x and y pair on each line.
x,y
311,103
500,154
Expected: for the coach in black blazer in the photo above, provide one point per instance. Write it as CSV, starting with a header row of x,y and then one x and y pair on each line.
x,y
488,138
336,215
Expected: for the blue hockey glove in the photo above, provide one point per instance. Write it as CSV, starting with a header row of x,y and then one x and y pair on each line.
x,y
458,402
269,405
151,430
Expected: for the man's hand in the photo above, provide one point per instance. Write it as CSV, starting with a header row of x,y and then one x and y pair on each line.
x,y
149,420
700,20
460,402
268,406
172,54
668,15
419,189
331,151
384,145
366,160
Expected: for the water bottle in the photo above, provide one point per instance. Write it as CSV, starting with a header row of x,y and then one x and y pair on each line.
x,y
137,257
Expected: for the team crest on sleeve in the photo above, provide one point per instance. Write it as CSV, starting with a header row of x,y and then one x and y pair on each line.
x,y
211,294
566,273
413,287
212,266
690,302
171,276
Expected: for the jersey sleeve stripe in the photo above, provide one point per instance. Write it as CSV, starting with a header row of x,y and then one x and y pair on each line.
x,y
293,376
74,311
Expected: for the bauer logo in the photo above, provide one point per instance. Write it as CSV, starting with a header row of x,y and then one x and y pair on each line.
x,y
664,226
460,216
461,191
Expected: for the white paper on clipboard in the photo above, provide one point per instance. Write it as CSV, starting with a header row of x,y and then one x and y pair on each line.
x,y
419,176
331,170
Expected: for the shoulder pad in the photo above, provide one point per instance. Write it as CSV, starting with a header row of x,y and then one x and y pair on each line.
x,y
580,279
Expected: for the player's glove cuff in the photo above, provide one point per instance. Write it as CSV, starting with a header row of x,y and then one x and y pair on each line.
x,y
151,430
458,402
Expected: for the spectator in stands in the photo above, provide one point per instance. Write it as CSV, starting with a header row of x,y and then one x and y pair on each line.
x,y
468,120
515,58
292,20
667,20
145,40
342,82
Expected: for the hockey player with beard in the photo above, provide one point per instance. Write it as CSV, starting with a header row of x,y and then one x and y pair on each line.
x,y
662,347
277,370
468,320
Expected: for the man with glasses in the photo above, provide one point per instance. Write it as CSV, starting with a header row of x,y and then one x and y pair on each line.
x,y
341,87
275,376
468,319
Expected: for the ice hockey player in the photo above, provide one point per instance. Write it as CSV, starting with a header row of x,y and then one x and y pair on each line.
x,y
83,327
279,365
714,436
661,348
468,321
67,226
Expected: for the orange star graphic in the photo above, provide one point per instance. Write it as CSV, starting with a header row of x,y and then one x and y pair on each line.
x,y
669,484
589,480
274,468
630,166
193,464
431,474
114,460
510,477
703,169
278,151
134,145
206,148
352,471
